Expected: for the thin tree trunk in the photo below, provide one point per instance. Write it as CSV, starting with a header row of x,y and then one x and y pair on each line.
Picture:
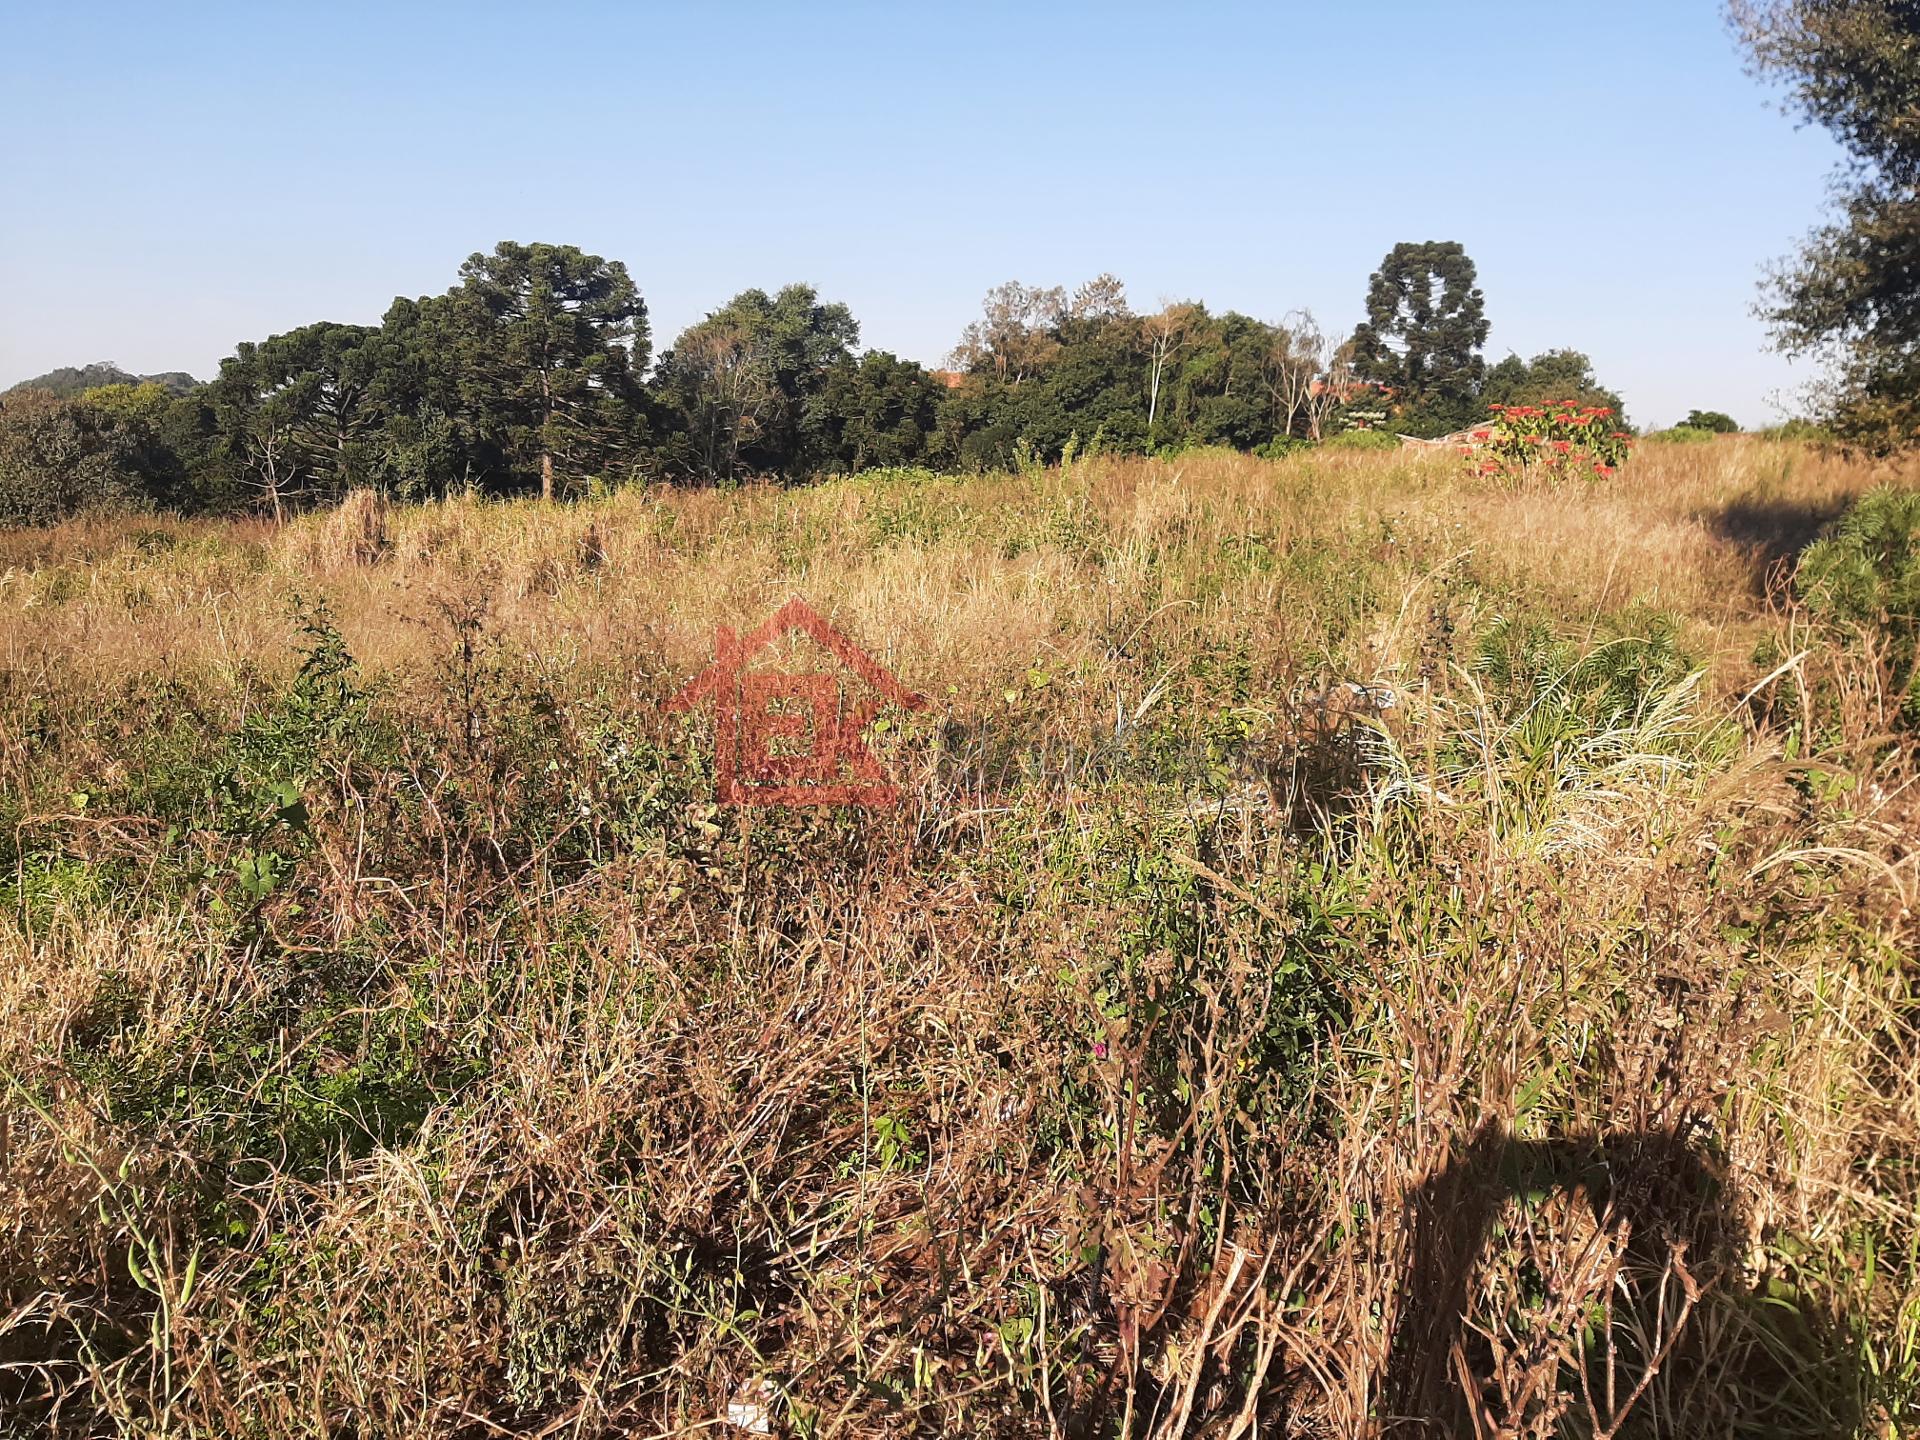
x,y
546,430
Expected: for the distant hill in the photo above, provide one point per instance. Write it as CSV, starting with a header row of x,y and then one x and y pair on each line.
x,y
69,381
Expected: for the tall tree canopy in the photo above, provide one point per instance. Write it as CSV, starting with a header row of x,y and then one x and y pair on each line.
x,y
58,456
294,412
551,341
1426,321
1852,295
1016,333
740,381
1554,375
877,410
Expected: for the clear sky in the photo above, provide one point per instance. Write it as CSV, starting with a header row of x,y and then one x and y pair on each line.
x,y
177,178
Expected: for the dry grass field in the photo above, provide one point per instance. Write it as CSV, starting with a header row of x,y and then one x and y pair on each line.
x,y
398,1041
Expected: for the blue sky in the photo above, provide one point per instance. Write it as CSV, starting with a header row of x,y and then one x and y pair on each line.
x,y
179,178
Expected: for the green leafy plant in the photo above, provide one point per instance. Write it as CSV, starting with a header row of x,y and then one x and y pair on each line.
x,y
1361,439
1681,435
1560,441
1865,577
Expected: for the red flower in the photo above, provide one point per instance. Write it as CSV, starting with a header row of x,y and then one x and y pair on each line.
x,y
1565,447
1483,434
1603,471
1536,439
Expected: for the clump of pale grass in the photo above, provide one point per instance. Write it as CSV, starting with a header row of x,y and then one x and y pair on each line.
x,y
355,531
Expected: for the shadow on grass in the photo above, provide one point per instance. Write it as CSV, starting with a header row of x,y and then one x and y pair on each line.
x,y
1738,1364
1772,532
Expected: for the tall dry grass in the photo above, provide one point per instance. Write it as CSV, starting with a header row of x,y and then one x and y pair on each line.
x,y
399,1042
956,575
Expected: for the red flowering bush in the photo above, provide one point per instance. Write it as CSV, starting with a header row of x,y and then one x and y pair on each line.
x,y
1561,440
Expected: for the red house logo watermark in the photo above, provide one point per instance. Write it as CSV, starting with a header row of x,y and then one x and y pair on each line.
x,y
794,739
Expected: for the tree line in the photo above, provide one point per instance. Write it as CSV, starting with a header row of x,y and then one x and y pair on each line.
x,y
535,373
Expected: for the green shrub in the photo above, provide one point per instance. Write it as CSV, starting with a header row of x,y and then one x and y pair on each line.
x,y
1810,431
1559,440
1867,571
1865,577
1362,440
1681,435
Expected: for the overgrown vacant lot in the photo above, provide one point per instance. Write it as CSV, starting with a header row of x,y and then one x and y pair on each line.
x,y
397,1041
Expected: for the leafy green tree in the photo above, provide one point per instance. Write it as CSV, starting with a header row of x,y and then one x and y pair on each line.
x,y
123,443
292,413
438,431
1218,394
550,340
1853,66
739,383
1717,421
142,402
189,432
148,445
296,414
1426,321
1549,377
1017,333
1045,368
1092,389
1863,577
116,446
60,457
878,410
1079,367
